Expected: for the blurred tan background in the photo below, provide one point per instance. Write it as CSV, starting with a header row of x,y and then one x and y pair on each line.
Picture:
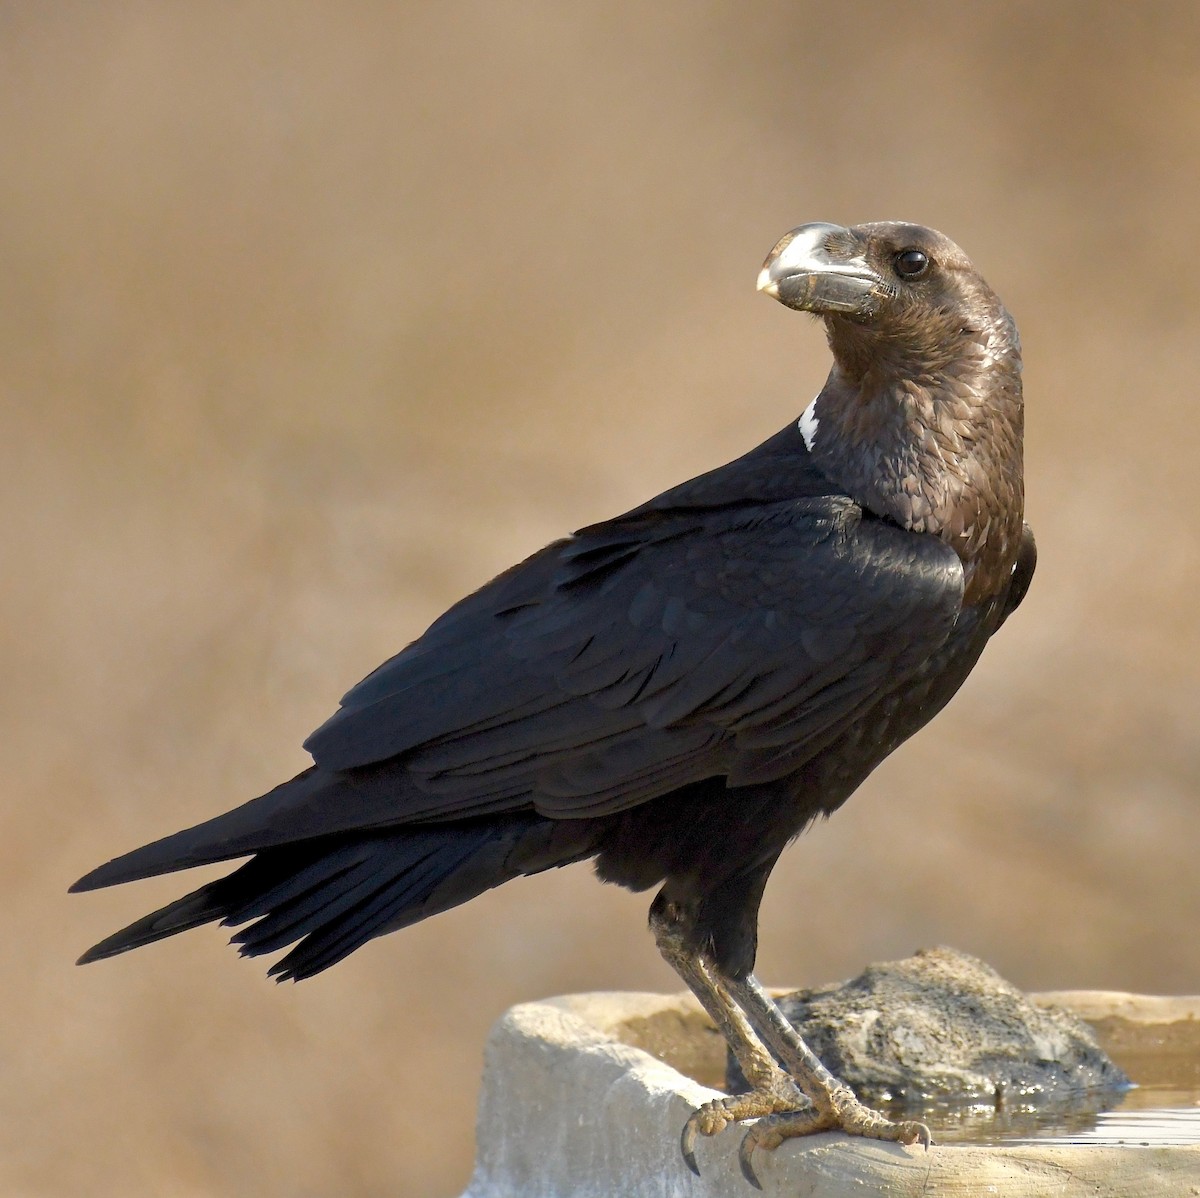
x,y
314,316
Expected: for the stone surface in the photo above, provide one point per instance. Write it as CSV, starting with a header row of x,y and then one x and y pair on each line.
x,y
575,1105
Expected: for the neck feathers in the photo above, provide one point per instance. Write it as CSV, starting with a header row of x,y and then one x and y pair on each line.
x,y
928,433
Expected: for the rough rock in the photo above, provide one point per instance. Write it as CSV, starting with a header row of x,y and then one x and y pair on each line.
x,y
941,1026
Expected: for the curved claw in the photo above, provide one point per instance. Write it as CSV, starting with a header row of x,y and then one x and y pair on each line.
x,y
705,1120
713,1117
783,1104
917,1133
687,1142
746,1160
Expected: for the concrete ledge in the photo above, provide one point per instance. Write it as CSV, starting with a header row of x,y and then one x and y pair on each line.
x,y
586,1095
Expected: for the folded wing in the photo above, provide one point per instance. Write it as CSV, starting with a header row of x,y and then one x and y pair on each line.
x,y
609,669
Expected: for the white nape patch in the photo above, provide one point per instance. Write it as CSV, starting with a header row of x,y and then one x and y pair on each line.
x,y
808,425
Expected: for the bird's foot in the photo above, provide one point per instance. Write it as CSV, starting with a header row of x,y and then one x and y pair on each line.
x,y
842,1112
780,1097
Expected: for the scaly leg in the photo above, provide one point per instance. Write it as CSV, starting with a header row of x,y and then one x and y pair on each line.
x,y
806,1098
771,1091
834,1105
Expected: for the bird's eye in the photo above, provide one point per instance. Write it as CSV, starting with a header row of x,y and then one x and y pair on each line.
x,y
911,264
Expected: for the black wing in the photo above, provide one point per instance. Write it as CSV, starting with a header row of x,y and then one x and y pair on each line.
x,y
646,654
694,637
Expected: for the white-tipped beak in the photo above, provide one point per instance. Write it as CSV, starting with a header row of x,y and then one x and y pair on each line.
x,y
767,283
819,268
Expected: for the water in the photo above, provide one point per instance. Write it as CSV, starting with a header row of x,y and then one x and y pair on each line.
x,y
1143,1115
1163,1109
1155,1124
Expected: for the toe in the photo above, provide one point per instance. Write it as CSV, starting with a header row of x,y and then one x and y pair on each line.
x,y
770,1132
713,1117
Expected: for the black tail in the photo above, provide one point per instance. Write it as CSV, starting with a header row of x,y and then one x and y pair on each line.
x,y
333,894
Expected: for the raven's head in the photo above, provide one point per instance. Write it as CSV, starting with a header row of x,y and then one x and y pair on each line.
x,y
920,419
889,292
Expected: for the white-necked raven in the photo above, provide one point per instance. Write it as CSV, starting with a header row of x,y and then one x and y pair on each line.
x,y
677,692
